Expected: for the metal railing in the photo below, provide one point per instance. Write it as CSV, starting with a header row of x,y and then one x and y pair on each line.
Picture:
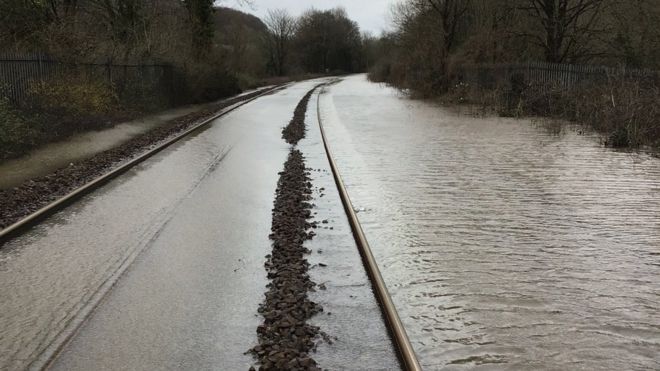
x,y
551,75
20,72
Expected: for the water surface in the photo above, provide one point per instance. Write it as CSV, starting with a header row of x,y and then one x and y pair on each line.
x,y
52,156
504,246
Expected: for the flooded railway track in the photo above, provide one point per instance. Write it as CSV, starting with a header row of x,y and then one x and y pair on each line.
x,y
31,219
503,245
285,337
398,332
390,320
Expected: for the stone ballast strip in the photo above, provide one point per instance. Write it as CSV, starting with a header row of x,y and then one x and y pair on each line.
x,y
295,131
285,337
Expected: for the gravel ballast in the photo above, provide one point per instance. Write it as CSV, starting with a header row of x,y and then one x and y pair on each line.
x,y
295,131
285,337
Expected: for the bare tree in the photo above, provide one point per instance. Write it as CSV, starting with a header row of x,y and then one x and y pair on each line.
x,y
566,27
452,13
635,39
281,27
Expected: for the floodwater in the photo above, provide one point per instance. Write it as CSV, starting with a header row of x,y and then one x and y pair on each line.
x,y
173,250
53,156
504,246
163,268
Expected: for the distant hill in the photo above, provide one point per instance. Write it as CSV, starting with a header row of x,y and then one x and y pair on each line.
x,y
227,18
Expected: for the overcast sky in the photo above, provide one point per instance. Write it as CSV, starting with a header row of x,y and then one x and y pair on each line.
x,y
371,15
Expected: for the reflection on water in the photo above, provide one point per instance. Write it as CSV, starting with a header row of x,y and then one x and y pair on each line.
x,y
53,156
504,246
79,147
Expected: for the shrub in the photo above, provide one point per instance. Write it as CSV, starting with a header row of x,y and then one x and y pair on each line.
x,y
15,132
207,82
624,110
73,97
381,72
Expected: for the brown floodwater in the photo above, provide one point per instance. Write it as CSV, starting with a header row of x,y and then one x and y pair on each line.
x,y
504,246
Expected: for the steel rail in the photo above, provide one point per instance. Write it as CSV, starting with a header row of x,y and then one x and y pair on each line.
x,y
405,350
65,200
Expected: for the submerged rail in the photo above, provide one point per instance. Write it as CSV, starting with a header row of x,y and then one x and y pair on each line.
x,y
405,350
32,219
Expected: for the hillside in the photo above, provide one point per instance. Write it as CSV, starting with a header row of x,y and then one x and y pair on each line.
x,y
228,18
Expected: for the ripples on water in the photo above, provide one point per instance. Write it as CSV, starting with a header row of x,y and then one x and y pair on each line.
x,y
504,246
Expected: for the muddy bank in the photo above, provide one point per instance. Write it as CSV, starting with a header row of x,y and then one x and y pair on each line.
x,y
285,337
18,202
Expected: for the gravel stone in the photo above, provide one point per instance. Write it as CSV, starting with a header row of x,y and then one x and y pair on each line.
x,y
285,337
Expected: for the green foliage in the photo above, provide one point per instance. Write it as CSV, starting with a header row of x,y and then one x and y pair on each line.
x,y
74,97
202,24
15,131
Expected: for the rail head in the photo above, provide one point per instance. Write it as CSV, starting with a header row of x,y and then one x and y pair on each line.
x,y
398,332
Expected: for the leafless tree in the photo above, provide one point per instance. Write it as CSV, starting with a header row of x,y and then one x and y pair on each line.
x,y
451,13
566,27
282,27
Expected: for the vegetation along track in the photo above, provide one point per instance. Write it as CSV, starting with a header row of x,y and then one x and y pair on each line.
x,y
23,206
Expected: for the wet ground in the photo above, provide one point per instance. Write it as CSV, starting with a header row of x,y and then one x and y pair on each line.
x,y
79,147
21,201
504,246
165,263
350,315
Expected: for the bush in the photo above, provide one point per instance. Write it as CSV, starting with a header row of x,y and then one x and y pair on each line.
x,y
625,111
208,82
15,132
381,72
73,97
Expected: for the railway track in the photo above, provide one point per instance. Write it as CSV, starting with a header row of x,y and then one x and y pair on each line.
x,y
394,325
401,342
30,220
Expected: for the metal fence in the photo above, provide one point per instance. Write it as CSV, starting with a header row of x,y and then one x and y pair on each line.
x,y
132,83
549,75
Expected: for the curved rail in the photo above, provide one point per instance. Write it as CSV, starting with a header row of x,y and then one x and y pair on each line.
x,y
405,350
60,203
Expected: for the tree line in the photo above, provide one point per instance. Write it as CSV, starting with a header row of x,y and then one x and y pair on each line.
x,y
317,42
194,35
210,52
432,37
